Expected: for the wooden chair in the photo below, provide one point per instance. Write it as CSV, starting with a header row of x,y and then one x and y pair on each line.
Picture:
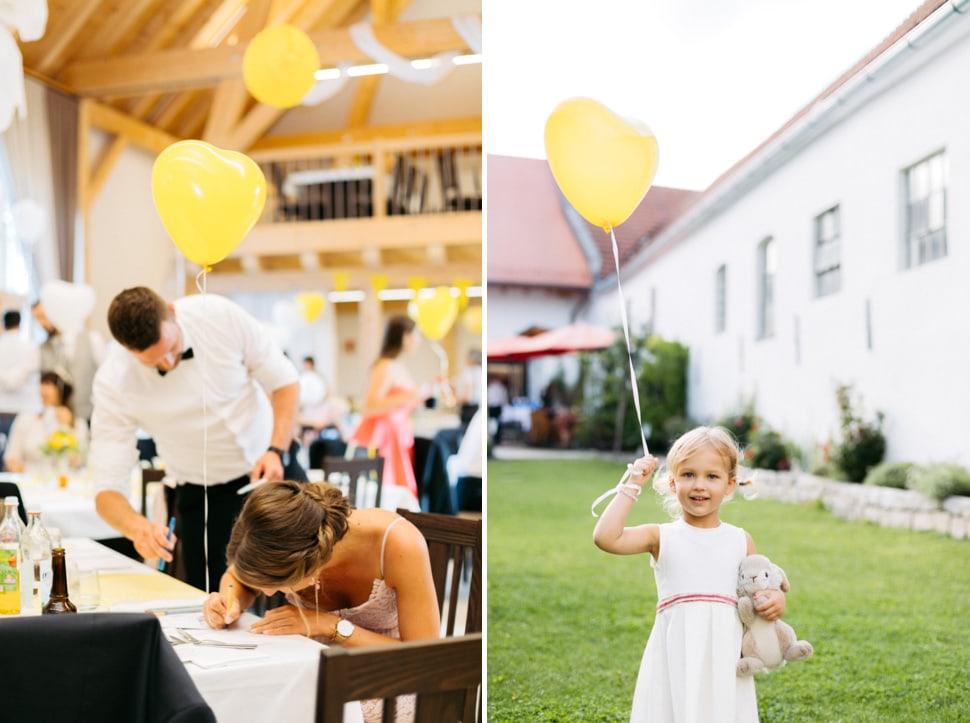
x,y
445,675
352,469
149,475
452,542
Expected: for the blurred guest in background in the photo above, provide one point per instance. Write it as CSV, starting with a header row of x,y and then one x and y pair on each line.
x,y
391,397
468,386
33,444
19,370
78,352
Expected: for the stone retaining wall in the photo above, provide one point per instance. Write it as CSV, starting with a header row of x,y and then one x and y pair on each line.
x,y
885,506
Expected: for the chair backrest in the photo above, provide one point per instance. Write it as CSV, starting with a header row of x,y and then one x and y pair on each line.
x,y
130,672
352,469
10,489
444,674
148,475
454,546
325,447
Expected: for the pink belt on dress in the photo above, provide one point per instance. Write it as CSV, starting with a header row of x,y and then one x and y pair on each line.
x,y
696,597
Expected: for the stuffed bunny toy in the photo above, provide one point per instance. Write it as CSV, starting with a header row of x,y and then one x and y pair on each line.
x,y
765,646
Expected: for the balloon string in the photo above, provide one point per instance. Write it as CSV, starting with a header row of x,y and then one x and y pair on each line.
x,y
629,347
443,386
633,380
200,283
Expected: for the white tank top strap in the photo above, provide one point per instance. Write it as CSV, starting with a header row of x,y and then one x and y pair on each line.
x,y
384,542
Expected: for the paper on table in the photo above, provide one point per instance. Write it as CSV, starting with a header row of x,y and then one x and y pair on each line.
x,y
207,656
181,606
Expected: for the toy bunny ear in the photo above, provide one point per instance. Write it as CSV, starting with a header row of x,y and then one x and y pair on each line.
x,y
785,585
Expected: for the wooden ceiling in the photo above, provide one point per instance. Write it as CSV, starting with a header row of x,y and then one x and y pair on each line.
x,y
157,71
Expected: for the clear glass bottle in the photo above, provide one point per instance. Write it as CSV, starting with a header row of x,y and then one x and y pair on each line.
x,y
58,602
10,558
37,562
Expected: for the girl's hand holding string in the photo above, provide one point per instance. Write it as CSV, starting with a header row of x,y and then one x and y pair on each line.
x,y
642,469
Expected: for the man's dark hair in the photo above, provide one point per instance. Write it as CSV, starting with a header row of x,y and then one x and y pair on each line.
x,y
135,318
11,319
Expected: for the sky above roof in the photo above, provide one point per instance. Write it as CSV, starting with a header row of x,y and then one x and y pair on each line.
x,y
711,79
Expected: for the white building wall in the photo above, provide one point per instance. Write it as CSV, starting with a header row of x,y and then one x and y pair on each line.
x,y
916,371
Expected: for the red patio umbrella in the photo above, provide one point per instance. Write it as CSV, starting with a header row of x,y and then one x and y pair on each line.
x,y
578,336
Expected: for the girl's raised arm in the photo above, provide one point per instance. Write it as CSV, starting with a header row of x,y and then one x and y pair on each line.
x,y
611,533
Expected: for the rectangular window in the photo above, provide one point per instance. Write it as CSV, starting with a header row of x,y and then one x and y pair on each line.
x,y
767,265
828,252
925,189
720,299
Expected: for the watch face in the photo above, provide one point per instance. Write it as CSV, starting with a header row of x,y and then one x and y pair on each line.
x,y
345,628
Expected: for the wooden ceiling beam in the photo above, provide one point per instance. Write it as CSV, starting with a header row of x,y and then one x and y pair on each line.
x,y
353,234
231,94
113,31
48,54
138,133
382,13
266,145
181,69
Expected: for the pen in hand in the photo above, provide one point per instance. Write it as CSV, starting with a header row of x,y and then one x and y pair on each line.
x,y
171,531
229,601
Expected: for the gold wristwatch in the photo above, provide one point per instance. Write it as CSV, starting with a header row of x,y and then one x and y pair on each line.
x,y
344,630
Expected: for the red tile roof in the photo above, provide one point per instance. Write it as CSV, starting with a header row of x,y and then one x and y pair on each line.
x,y
658,208
529,240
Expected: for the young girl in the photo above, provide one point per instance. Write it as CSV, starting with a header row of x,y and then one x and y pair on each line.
x,y
688,672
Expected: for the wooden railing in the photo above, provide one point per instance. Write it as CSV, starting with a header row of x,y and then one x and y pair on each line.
x,y
377,179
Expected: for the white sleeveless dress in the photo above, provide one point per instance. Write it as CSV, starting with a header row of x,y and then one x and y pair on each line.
x,y
688,672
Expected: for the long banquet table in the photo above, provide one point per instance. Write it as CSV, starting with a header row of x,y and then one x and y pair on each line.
x,y
275,682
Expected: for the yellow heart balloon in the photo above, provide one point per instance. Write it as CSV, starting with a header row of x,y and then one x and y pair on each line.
x,y
311,305
208,198
435,314
604,164
472,319
279,66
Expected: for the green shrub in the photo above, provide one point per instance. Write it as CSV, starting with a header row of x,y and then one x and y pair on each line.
x,y
608,419
743,424
939,481
767,449
862,444
889,474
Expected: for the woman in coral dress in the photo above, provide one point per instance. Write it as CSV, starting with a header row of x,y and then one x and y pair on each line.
x,y
391,397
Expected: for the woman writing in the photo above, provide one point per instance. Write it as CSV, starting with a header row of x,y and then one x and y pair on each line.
x,y
31,432
337,565
351,577
391,397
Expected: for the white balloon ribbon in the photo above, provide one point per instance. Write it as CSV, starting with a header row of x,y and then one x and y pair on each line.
x,y
633,374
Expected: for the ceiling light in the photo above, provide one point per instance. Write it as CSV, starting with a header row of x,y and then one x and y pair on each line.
x,y
337,297
356,71
396,295
467,59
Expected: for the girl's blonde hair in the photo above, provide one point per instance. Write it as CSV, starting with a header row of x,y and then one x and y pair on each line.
x,y
687,445
286,531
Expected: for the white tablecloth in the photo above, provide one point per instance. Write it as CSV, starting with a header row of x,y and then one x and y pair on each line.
x,y
275,682
71,509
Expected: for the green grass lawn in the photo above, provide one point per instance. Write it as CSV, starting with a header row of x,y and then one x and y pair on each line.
x,y
888,611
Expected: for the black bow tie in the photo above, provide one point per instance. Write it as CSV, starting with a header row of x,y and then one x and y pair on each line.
x,y
187,354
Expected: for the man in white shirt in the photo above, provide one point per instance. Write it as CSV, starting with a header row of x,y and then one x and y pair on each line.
x,y
19,374
217,395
